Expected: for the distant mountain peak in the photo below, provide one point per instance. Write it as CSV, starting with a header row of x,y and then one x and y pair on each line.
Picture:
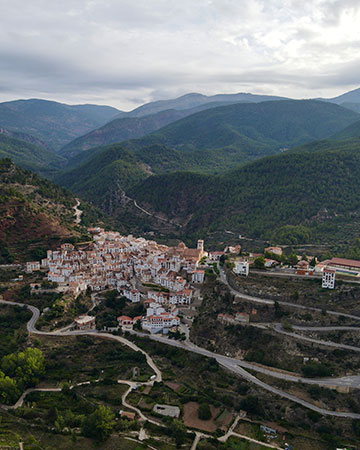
x,y
349,97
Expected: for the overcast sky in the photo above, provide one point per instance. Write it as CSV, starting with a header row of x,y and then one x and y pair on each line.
x,y
128,52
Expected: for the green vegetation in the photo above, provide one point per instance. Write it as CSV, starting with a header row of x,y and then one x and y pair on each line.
x,y
54,123
322,204
313,369
36,215
209,141
204,412
119,130
29,156
99,424
19,371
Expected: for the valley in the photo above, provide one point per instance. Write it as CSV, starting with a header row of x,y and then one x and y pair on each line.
x,y
164,274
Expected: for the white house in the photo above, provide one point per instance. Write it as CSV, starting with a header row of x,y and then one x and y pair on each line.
x,y
198,276
85,322
163,321
241,268
31,266
131,294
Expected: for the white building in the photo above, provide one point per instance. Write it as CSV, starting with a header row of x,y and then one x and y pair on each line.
x,y
131,294
241,268
198,276
85,322
328,278
31,266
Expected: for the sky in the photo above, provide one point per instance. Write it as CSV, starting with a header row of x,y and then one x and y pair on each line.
x,y
128,52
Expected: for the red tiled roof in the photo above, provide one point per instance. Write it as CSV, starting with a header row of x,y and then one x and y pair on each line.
x,y
124,318
345,262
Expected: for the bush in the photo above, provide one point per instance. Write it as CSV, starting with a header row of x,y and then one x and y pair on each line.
x,y
315,369
204,412
99,424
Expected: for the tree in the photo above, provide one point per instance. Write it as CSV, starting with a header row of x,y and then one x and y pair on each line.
x,y
259,262
99,424
251,404
278,310
27,367
313,262
204,412
179,432
110,298
314,369
9,392
292,259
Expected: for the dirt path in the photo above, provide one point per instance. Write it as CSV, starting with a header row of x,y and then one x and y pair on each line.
x,y
78,212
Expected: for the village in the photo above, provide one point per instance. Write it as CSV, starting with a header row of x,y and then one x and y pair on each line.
x,y
167,276
164,278
168,282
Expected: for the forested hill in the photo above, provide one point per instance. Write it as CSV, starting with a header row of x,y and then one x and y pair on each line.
x,y
351,131
54,123
35,214
29,155
210,141
131,127
268,124
193,100
318,191
121,129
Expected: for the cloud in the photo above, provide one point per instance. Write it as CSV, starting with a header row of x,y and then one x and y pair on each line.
x,y
126,53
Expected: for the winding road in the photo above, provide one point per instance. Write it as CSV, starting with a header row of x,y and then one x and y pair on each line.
x,y
278,327
280,302
78,212
231,364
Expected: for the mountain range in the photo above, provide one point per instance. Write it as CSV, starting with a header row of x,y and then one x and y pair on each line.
x,y
54,123
210,141
251,164
314,186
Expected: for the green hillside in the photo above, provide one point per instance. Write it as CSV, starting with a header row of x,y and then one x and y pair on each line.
x,y
209,142
29,156
106,173
129,127
36,215
352,131
317,189
194,100
264,126
54,123
120,130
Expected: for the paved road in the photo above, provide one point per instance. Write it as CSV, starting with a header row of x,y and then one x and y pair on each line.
x,y
131,385
279,329
326,329
20,401
271,302
36,314
229,363
295,275
234,365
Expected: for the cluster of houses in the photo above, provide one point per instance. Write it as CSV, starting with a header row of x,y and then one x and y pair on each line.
x,y
115,261
158,318
326,269
123,262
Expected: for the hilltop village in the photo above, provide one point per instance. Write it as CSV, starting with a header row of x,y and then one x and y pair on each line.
x,y
242,310
124,263
163,278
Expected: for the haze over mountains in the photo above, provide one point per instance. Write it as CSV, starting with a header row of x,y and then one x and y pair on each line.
x,y
210,141
54,123
193,159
